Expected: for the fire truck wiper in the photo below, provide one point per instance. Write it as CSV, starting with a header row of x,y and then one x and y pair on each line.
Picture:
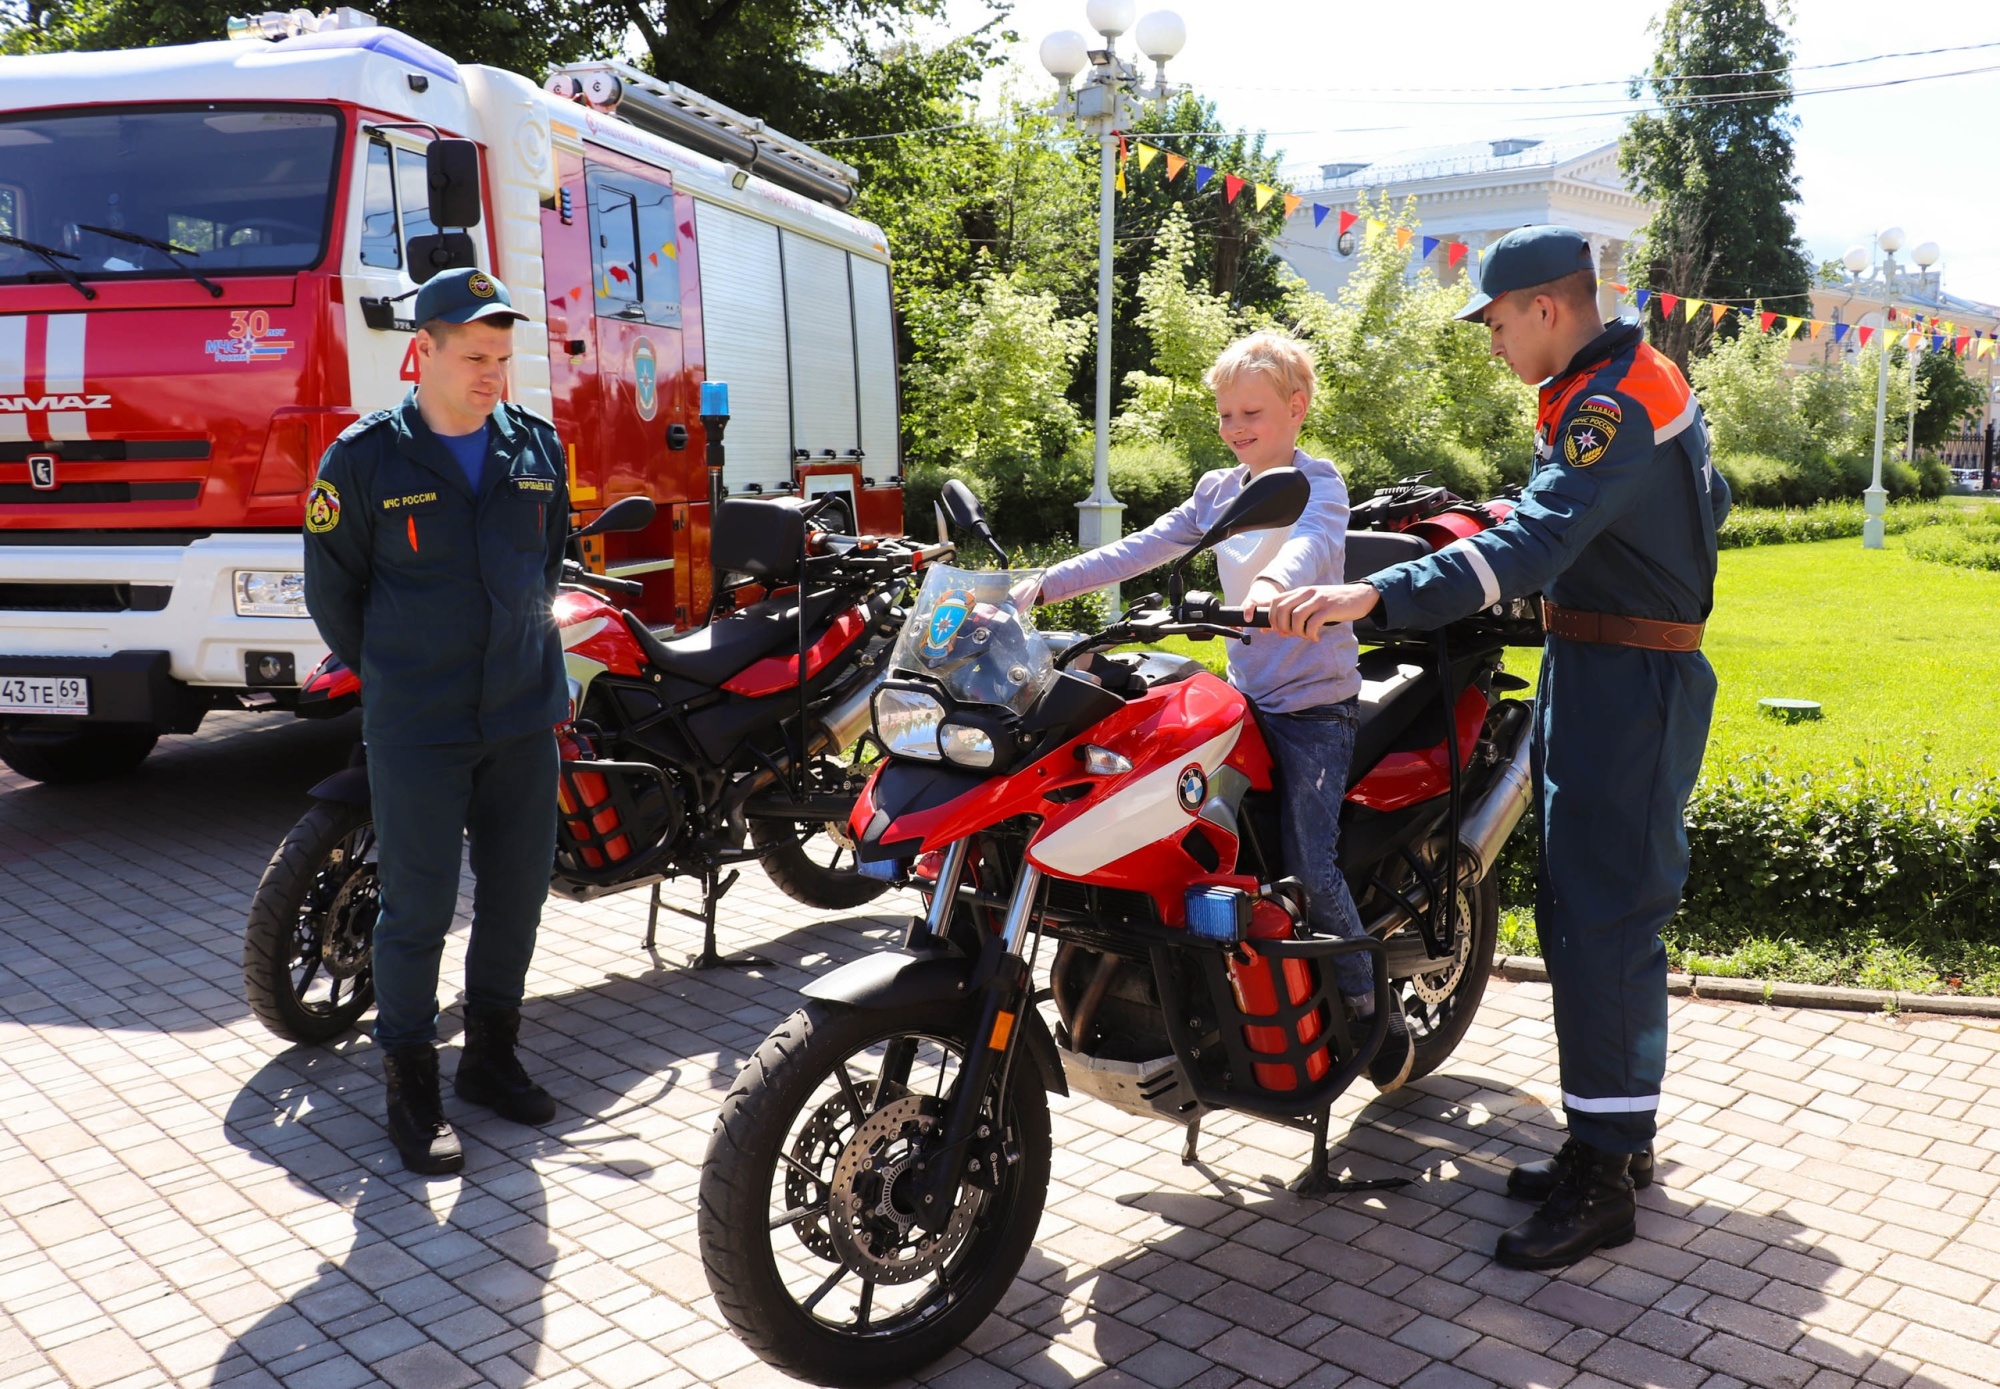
x,y
51,254
165,248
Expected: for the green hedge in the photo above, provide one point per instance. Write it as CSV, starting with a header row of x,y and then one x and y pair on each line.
x,y
1760,525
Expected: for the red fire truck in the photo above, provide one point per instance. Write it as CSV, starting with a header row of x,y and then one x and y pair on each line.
x,y
207,258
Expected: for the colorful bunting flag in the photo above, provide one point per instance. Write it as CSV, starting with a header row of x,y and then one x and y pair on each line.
x,y
1692,306
1717,311
1292,201
1319,213
1792,326
1347,221
1202,175
1960,343
1231,186
1430,243
1864,333
1814,328
1937,342
1641,296
1839,331
1376,226
1617,288
1667,304
1265,192
1765,320
1147,154
1454,253
1403,238
1175,163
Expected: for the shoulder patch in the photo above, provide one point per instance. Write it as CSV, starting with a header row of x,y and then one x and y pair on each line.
x,y
322,507
1603,406
1587,435
365,423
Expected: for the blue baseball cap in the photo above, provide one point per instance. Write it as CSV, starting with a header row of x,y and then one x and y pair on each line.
x,y
1527,256
465,296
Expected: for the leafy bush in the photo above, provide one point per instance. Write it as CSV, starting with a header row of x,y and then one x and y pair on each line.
x,y
1755,525
1973,544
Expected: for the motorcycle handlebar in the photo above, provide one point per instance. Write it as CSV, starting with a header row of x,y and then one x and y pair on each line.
x,y
1209,609
576,574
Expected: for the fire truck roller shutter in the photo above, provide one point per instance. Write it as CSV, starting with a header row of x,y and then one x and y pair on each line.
x,y
875,369
743,339
819,319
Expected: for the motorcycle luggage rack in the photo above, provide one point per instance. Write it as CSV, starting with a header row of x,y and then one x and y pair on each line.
x,y
1307,1108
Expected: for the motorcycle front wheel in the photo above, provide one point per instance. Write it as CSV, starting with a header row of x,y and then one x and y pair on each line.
x,y
307,947
808,1242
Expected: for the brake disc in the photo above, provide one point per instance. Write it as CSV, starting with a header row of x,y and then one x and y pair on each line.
x,y
875,1234
1435,986
817,1148
347,936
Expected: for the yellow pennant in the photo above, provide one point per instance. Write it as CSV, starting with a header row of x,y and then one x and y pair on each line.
x,y
1376,226
1265,192
1175,163
1292,201
1692,305
1985,346
1792,326
1402,238
1147,154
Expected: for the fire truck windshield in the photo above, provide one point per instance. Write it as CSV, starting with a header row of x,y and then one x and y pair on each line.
x,y
232,189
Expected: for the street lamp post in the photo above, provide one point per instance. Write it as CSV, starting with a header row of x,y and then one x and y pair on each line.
x,y
1875,501
1101,105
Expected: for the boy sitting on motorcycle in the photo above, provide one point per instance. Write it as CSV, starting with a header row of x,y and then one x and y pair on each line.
x,y
1306,694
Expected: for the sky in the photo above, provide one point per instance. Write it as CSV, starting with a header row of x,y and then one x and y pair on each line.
x,y
1365,81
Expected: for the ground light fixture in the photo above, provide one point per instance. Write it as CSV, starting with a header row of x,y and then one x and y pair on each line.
x,y
1101,105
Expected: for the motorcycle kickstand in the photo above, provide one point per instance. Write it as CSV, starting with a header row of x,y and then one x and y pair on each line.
x,y
1318,1179
1188,1157
712,892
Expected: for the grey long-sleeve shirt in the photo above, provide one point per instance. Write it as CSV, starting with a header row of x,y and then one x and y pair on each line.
x,y
1280,674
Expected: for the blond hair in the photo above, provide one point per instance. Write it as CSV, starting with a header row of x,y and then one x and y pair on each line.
x,y
1279,357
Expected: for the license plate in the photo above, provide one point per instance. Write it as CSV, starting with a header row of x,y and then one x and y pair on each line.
x,y
44,694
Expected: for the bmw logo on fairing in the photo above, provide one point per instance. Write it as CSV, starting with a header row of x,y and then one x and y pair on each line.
x,y
1193,787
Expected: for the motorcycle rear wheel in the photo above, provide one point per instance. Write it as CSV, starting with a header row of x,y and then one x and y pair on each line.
x,y
783,1264
1437,1023
307,970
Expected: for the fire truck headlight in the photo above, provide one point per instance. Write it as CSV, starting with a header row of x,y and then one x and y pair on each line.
x,y
270,593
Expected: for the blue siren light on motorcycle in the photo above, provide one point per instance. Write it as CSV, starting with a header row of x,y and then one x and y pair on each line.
x,y
1220,914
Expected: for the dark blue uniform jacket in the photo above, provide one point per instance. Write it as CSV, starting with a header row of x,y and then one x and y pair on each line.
x,y
441,597
1619,517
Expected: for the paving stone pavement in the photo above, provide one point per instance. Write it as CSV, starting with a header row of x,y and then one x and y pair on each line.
x,y
184,1200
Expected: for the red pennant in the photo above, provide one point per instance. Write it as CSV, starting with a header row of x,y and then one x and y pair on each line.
x,y
1668,303
1347,221
1454,252
1765,320
1231,186
1866,333
1961,342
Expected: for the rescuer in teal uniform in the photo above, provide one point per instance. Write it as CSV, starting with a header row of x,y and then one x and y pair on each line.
x,y
434,541
1617,529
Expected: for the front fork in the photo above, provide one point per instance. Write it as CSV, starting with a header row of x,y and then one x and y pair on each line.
x,y
967,1143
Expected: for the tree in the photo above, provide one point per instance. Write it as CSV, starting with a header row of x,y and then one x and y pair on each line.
x,y
1716,162
1188,328
1947,397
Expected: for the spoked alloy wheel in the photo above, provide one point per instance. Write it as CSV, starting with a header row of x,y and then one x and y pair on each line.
x,y
307,947
1438,1003
807,1221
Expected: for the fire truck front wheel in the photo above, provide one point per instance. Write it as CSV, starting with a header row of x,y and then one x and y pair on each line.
x,y
60,756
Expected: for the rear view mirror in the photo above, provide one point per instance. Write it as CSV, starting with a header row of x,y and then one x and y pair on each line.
x,y
451,167
628,514
1275,498
965,512
439,252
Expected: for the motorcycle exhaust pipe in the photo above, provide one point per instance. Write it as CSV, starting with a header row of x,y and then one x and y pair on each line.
x,y
847,718
1484,830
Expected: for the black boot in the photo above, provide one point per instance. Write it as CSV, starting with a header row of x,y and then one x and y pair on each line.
x,y
490,1074
1591,1208
416,1114
1533,1181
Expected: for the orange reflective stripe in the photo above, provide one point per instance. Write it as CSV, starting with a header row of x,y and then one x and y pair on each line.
x,y
1652,380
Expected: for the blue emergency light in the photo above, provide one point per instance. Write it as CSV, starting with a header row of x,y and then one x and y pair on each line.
x,y
1219,914
715,400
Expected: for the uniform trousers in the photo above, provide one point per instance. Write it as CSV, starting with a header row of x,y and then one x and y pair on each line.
x,y
428,800
1618,741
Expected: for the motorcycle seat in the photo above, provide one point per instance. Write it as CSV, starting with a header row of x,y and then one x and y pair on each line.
x,y
725,647
1394,693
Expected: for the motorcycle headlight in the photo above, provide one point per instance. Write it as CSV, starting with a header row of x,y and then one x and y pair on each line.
x,y
966,745
906,722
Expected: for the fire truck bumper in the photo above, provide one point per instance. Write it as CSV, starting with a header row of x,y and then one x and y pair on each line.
x,y
159,633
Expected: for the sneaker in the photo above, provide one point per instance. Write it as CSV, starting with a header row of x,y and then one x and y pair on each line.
x,y
1392,1063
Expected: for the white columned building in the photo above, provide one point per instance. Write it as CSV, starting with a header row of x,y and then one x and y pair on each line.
x,y
1473,193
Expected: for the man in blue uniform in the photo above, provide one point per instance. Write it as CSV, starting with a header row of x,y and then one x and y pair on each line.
x,y
1617,529
434,540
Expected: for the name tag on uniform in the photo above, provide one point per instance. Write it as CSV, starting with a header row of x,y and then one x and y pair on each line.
x,y
413,499
542,485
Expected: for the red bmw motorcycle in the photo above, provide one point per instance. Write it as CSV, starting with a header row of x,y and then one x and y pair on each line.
x,y
878,1170
682,756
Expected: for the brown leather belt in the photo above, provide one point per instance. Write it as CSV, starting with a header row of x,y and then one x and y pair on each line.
x,y
1612,630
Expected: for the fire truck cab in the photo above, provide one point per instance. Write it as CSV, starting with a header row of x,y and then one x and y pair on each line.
x,y
208,254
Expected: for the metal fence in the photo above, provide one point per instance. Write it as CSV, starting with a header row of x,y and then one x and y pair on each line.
x,y
1970,455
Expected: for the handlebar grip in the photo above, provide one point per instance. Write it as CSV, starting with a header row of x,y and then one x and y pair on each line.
x,y
1234,617
604,583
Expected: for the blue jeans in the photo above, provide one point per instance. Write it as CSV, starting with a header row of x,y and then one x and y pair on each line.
x,y
427,800
1312,749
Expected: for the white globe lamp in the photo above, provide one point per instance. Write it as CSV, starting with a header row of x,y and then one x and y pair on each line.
x,y
1065,53
1926,254
1891,240
1856,259
1161,35
1111,17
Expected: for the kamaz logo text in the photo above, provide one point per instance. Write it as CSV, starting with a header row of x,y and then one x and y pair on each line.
x,y
18,404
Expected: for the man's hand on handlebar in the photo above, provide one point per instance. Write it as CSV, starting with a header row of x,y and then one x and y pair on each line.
x,y
1307,612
